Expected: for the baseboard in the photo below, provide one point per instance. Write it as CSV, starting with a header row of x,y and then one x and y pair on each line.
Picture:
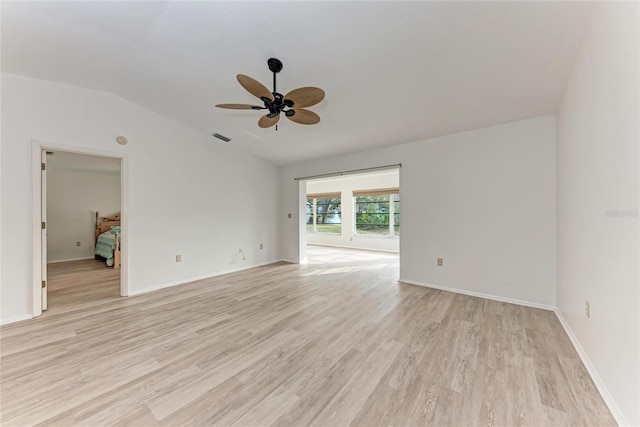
x,y
600,385
481,295
195,279
69,259
16,319
358,248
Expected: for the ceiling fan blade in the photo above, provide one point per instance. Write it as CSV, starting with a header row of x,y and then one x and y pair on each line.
x,y
254,87
304,117
266,121
237,106
305,96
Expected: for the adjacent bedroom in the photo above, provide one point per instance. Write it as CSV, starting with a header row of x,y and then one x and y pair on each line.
x,y
83,232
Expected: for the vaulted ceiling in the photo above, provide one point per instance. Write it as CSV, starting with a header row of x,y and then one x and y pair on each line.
x,y
393,72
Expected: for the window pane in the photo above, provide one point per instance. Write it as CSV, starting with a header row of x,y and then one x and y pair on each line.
x,y
309,215
396,214
396,224
309,211
372,215
329,215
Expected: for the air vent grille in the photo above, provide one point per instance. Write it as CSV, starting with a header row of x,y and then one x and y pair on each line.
x,y
221,137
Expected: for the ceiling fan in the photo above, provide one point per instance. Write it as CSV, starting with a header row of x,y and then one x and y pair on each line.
x,y
292,104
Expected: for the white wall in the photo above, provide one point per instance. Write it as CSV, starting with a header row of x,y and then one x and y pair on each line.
x,y
346,185
483,200
73,197
598,171
188,193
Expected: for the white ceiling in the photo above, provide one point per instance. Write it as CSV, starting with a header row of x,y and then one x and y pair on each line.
x,y
393,72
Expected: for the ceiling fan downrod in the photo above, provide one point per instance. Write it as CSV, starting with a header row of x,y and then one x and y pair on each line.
x,y
275,65
277,106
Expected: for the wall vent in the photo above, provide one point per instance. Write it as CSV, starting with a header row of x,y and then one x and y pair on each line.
x,y
221,137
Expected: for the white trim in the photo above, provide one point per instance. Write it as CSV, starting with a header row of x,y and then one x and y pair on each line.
x,y
356,248
373,236
124,224
16,319
288,260
195,279
600,385
69,259
37,146
36,235
482,295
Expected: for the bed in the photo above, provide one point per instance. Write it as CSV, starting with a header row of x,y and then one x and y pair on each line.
x,y
107,239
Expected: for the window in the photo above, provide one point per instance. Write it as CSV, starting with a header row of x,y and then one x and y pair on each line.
x,y
395,199
324,213
377,212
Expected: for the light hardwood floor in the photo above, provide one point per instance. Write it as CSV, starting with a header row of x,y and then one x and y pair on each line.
x,y
333,342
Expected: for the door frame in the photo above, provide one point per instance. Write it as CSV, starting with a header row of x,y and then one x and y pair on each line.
x,y
43,233
37,147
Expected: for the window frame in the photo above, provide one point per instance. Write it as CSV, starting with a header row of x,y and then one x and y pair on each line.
x,y
314,212
389,193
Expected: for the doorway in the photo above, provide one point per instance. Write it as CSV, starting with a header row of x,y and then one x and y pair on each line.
x,y
77,187
351,210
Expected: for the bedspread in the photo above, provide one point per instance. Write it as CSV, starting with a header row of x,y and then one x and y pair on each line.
x,y
106,244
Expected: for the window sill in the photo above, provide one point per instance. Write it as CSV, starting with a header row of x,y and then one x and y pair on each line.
x,y
372,236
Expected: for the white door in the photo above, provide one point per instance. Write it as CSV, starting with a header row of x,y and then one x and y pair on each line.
x,y
44,229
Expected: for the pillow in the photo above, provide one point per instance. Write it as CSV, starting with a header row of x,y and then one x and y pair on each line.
x,y
116,229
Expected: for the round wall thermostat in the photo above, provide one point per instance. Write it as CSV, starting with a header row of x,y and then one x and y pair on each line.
x,y
122,140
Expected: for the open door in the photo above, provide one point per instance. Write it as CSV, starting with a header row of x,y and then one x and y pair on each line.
x,y
43,205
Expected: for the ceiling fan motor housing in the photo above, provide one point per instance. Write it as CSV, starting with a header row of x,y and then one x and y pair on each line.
x,y
278,104
275,65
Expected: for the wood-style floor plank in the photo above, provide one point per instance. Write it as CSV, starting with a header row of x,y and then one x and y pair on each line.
x,y
333,342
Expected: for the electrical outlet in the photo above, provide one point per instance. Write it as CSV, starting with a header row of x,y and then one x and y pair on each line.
x,y
289,216
439,261
587,309
77,243
178,258
261,246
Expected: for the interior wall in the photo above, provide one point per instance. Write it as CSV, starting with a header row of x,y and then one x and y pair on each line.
x,y
598,199
73,197
189,194
483,200
346,185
